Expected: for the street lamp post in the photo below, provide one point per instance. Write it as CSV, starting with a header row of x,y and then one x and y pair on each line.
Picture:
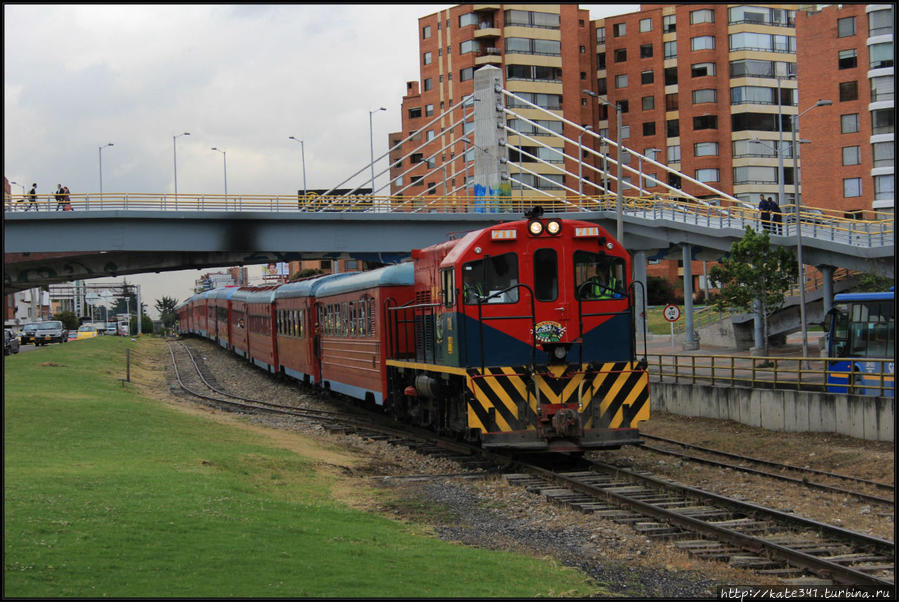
x,y
175,159
794,125
302,160
580,160
100,153
619,199
371,139
225,165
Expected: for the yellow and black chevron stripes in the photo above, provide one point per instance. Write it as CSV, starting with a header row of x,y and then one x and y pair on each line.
x,y
613,395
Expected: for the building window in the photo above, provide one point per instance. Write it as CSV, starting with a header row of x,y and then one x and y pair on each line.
x,y
466,74
671,76
705,149
755,175
670,49
600,35
707,175
529,46
852,187
623,106
881,55
846,27
849,123
848,91
702,43
851,155
620,55
880,21
534,19
415,113
649,103
674,154
702,69
884,187
429,110
848,59
649,128
645,25
882,88
619,29
426,32
621,81
468,46
705,95
884,154
883,121
669,23
645,51
672,128
427,58
705,15
467,19
647,77
428,84
705,122
671,103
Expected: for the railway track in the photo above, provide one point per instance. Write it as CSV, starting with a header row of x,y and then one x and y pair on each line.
x,y
785,472
707,525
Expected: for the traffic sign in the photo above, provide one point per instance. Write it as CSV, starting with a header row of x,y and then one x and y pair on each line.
x,y
672,313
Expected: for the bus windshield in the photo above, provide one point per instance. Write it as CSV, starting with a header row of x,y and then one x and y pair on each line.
x,y
864,328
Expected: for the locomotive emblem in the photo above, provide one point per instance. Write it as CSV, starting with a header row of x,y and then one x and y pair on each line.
x,y
549,332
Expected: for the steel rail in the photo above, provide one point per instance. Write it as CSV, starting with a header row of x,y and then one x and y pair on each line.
x,y
769,463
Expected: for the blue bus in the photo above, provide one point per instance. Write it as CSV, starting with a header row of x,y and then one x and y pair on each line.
x,y
862,329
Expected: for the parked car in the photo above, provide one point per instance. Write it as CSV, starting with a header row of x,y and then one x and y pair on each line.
x,y
51,331
72,336
27,336
10,342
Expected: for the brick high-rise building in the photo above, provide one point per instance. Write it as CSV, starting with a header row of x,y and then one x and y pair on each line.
x,y
846,54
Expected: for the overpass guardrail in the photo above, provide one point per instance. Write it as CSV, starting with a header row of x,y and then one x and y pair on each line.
x,y
873,229
788,373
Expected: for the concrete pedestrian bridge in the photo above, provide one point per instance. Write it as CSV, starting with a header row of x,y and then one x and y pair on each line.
x,y
119,234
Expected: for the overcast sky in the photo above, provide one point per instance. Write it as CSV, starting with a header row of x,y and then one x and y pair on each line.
x,y
243,78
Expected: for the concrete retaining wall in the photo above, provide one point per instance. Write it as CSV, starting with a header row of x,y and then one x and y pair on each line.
x,y
791,411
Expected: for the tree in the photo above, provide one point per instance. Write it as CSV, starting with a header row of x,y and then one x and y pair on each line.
x,y
755,277
146,324
68,319
166,308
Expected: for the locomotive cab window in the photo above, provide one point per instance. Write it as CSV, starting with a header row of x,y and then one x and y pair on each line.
x,y
546,275
448,287
487,280
598,276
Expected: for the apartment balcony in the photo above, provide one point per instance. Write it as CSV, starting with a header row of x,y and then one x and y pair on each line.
x,y
486,31
489,56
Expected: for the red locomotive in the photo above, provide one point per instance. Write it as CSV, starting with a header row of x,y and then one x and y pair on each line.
x,y
519,335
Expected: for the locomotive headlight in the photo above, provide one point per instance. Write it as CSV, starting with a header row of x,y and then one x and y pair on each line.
x,y
560,352
554,226
535,227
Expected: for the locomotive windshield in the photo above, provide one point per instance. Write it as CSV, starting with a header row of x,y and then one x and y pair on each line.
x,y
598,276
484,278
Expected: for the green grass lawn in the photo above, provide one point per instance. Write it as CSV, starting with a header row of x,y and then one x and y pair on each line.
x,y
110,494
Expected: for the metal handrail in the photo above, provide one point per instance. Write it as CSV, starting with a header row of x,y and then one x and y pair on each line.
x,y
791,373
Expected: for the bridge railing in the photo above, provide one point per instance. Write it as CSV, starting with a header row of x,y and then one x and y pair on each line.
x,y
822,224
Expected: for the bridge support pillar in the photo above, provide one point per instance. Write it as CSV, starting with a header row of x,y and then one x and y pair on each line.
x,y
691,340
827,275
639,265
491,167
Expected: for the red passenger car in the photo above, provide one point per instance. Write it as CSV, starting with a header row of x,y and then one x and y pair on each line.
x,y
238,324
260,327
352,319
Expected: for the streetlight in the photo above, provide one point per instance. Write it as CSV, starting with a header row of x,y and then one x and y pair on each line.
x,y
794,125
619,200
302,160
225,164
100,153
371,138
175,159
580,160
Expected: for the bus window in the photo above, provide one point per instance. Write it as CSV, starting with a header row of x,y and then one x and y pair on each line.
x,y
598,276
485,277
